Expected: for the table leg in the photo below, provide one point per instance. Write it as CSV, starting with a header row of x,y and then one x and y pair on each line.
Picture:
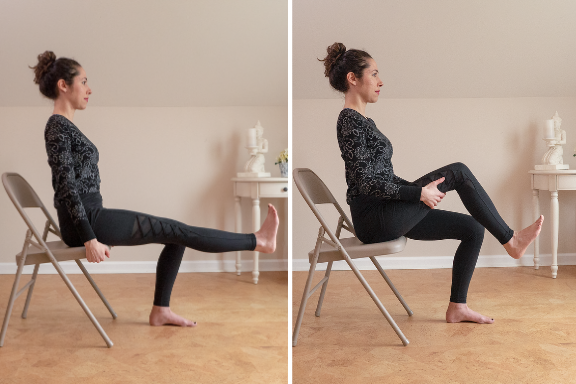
x,y
536,205
555,222
238,211
256,225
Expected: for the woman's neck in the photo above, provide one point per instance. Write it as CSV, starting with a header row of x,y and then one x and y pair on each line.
x,y
355,102
62,107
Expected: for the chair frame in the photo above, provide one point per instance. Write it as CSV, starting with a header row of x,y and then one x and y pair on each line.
x,y
31,200
325,197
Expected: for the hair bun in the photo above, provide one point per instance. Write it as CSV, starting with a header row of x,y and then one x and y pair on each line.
x,y
335,52
45,60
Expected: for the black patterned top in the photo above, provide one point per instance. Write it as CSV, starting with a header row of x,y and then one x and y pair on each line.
x,y
74,163
367,155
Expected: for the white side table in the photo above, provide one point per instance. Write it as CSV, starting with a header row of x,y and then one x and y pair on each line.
x,y
553,181
256,188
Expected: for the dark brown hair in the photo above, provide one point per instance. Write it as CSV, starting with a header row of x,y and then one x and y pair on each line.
x,y
49,70
339,62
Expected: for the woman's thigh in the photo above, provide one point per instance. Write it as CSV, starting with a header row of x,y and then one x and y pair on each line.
x,y
376,220
125,227
441,225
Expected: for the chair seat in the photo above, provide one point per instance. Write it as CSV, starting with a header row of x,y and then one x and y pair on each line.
x,y
59,249
357,249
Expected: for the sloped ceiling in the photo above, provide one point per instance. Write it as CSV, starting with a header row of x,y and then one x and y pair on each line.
x,y
442,48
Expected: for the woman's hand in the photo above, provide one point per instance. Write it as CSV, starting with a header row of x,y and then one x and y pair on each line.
x,y
95,251
431,196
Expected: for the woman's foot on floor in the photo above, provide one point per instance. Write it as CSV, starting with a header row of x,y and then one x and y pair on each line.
x,y
164,316
458,313
266,236
522,239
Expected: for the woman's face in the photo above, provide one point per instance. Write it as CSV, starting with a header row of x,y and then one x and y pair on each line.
x,y
78,93
368,87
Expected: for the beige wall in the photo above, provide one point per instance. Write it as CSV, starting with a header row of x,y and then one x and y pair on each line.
x,y
150,53
171,162
499,139
442,48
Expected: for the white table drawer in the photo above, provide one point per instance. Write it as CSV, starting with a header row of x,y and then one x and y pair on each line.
x,y
273,189
567,182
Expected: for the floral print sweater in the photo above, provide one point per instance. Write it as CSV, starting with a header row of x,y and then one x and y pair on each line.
x,y
74,163
367,155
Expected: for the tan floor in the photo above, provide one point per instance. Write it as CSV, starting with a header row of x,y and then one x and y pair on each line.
x,y
532,341
242,336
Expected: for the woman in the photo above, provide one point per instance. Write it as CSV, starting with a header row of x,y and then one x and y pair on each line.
x,y
84,221
385,206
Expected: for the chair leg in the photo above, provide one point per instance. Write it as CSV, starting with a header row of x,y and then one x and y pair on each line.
x,y
13,296
392,287
321,299
80,301
305,297
89,277
377,301
30,289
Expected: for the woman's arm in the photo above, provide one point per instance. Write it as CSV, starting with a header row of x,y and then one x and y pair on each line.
x,y
59,150
401,181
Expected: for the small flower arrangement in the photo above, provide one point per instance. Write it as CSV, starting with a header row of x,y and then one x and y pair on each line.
x,y
282,162
283,158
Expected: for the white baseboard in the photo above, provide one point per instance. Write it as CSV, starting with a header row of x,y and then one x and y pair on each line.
x,y
70,267
434,262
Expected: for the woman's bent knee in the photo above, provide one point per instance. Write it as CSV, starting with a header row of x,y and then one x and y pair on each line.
x,y
475,229
461,167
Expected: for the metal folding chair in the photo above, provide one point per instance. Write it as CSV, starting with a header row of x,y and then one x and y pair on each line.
x,y
40,251
314,191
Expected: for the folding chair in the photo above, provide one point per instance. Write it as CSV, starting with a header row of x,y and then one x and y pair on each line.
x,y
314,191
40,251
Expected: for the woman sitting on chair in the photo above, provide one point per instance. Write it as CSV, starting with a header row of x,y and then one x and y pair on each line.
x,y
84,221
385,206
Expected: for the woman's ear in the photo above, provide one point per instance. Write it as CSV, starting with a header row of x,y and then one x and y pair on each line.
x,y
351,77
62,86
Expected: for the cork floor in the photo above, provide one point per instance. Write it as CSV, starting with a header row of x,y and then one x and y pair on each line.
x,y
533,339
242,333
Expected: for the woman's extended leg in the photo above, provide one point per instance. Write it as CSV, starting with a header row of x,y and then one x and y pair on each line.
x,y
458,177
123,227
440,225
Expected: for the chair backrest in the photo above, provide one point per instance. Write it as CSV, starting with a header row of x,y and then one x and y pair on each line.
x,y
24,196
20,191
314,191
310,185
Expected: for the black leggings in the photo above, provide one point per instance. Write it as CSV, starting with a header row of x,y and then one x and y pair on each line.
x,y
376,220
122,227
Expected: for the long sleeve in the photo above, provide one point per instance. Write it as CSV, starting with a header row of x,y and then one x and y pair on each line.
x,y
59,140
401,181
367,155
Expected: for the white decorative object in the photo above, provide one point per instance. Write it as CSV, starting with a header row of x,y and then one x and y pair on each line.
x,y
252,137
554,137
257,146
549,129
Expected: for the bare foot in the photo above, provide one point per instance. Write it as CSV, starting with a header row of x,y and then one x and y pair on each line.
x,y
266,236
522,239
164,316
457,313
